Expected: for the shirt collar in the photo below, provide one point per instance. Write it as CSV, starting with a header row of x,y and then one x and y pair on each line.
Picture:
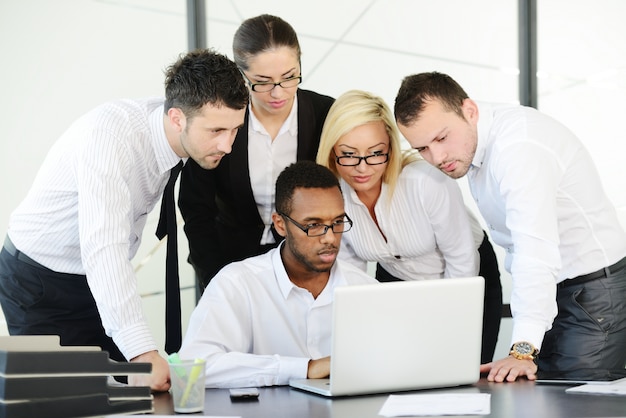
x,y
349,191
166,158
485,120
286,286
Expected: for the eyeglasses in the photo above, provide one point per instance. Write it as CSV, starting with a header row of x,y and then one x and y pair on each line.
x,y
317,230
354,160
269,86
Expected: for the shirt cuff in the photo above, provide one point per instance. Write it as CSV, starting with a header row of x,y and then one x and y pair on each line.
x,y
292,368
135,341
525,331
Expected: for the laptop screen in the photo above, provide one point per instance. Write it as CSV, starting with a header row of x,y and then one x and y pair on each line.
x,y
396,336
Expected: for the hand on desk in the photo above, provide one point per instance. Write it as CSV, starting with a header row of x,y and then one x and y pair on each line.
x,y
319,368
509,368
159,379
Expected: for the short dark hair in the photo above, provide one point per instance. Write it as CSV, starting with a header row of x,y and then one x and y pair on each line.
x,y
301,174
416,90
204,76
262,33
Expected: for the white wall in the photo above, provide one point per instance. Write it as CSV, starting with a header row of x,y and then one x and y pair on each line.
x,y
60,58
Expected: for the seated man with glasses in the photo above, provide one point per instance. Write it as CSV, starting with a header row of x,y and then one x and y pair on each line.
x,y
267,319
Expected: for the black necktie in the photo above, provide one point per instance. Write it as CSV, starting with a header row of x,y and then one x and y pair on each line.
x,y
167,226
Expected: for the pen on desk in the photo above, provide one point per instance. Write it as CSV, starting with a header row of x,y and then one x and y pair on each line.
x,y
193,376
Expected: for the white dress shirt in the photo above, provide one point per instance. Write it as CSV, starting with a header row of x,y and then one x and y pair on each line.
x,y
254,327
88,205
267,158
541,196
427,233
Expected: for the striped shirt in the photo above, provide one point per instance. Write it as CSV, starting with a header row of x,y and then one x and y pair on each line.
x,y
88,205
427,231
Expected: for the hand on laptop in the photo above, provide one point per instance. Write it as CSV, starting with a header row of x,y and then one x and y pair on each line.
x,y
508,368
319,368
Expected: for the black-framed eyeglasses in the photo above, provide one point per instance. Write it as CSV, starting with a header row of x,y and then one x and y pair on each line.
x,y
354,160
317,230
269,86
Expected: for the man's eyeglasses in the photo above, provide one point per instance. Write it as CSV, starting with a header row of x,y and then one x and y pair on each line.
x,y
317,230
269,86
354,160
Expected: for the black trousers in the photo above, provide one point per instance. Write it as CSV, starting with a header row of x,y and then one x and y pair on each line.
x,y
492,308
589,332
39,301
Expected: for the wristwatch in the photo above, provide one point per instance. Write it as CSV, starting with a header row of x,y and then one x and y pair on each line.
x,y
524,350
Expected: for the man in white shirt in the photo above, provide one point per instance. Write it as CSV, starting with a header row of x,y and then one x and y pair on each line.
x,y
65,268
542,198
267,319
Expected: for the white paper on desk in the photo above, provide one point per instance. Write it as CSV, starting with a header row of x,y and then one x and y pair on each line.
x,y
437,404
617,387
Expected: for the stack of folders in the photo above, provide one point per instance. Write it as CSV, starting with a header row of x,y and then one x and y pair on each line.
x,y
40,378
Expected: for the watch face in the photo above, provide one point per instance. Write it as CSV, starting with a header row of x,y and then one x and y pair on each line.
x,y
523,348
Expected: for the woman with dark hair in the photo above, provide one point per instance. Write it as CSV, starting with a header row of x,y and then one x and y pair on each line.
x,y
228,211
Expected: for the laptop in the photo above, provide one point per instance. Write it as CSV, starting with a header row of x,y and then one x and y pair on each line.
x,y
401,336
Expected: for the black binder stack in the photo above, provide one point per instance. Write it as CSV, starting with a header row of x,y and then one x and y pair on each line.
x,y
40,378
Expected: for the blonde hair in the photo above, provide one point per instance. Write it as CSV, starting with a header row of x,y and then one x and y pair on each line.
x,y
351,110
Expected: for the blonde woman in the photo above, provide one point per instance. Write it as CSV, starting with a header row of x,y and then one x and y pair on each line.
x,y
408,217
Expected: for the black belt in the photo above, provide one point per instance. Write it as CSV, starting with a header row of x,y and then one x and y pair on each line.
x,y
602,273
10,248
